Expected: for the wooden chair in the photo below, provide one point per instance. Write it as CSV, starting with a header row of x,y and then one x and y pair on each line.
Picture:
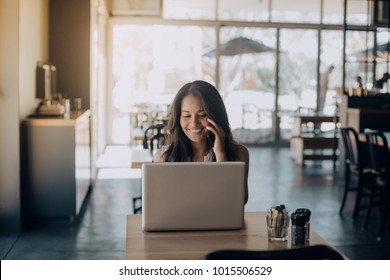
x,y
356,168
380,183
316,252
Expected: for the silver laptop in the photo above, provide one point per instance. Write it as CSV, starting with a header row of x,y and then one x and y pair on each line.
x,y
193,196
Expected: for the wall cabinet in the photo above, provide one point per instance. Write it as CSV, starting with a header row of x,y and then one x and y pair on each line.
x,y
56,171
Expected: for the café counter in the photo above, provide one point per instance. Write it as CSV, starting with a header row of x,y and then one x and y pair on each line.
x,y
362,112
56,164
359,119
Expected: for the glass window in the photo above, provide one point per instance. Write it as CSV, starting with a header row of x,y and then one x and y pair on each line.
x,y
150,64
298,69
383,36
362,69
382,56
298,11
137,8
359,59
383,46
331,55
247,71
333,11
297,76
243,10
357,12
184,9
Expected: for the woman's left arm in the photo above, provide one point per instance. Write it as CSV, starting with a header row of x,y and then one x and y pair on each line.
x,y
243,155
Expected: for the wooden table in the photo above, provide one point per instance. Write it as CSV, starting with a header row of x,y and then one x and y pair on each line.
x,y
192,245
314,119
310,143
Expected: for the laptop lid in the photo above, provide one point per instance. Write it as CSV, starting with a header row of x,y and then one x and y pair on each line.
x,y
193,196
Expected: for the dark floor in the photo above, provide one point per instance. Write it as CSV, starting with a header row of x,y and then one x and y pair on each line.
x,y
99,233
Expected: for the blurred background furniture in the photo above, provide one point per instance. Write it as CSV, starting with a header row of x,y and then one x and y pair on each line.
x,y
154,138
144,116
356,162
139,157
360,112
380,186
360,119
310,140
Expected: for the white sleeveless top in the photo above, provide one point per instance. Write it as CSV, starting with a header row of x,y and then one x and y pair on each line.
x,y
207,158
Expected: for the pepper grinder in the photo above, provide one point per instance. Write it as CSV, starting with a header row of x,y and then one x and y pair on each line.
x,y
307,214
298,229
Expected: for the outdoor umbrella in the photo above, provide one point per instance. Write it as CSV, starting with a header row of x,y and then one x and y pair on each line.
x,y
240,45
235,47
382,52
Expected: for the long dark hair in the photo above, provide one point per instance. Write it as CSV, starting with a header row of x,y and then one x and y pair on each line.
x,y
180,148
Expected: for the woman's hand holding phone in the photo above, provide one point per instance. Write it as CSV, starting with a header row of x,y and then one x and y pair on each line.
x,y
219,143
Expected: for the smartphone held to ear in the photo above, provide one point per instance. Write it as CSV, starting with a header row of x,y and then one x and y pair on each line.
x,y
211,138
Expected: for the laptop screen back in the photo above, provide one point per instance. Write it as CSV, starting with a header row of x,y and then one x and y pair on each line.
x,y
193,196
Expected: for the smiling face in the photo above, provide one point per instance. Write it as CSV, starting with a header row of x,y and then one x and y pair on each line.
x,y
193,119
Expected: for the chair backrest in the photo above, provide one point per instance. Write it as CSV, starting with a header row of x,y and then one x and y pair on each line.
x,y
154,137
317,252
379,152
352,146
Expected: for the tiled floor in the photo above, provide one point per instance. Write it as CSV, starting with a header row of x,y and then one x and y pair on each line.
x,y
99,232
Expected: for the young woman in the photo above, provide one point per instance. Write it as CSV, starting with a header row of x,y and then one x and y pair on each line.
x,y
199,130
